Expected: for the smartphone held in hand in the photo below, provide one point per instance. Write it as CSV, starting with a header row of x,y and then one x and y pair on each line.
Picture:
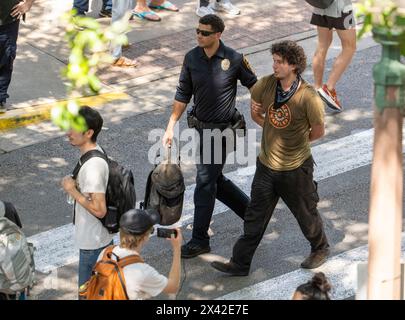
x,y
166,233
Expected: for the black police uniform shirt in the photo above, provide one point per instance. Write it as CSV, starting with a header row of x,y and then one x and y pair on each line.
x,y
213,82
5,9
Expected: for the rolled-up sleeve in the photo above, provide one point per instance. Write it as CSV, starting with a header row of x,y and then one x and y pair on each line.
x,y
184,90
246,75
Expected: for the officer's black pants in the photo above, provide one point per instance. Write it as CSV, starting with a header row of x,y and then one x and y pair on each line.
x,y
8,49
211,184
299,193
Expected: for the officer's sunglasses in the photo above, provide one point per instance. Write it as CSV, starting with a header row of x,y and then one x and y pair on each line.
x,y
204,33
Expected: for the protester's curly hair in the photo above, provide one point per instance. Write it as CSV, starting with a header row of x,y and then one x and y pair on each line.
x,y
315,289
291,52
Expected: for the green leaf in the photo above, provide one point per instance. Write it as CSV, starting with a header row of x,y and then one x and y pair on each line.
x,y
400,21
94,83
78,124
88,52
403,50
367,26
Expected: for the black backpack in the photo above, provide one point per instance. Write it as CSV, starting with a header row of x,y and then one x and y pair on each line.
x,y
165,191
120,193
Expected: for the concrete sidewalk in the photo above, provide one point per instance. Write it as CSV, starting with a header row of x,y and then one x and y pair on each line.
x,y
159,46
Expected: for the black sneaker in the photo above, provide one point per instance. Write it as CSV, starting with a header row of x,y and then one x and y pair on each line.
x,y
3,108
191,250
229,268
315,259
105,13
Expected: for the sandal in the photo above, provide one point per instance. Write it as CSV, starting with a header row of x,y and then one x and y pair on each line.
x,y
166,5
125,63
146,15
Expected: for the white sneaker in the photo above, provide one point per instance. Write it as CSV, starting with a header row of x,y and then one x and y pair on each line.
x,y
203,11
226,6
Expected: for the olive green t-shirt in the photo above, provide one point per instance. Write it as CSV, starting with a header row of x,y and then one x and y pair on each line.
x,y
285,140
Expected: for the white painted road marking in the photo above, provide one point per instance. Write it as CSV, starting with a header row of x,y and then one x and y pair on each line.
x,y
341,271
55,248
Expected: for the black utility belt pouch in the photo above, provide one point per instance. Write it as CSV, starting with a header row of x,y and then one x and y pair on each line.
x,y
239,123
191,119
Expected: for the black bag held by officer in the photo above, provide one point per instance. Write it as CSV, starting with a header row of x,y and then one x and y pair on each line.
x,y
120,194
165,191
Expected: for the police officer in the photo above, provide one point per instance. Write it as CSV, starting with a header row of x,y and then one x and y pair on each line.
x,y
210,73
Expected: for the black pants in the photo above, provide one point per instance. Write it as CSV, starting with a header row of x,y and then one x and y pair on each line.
x,y
298,191
8,49
211,184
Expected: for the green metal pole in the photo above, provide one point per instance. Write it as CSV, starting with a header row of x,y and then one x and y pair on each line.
x,y
386,192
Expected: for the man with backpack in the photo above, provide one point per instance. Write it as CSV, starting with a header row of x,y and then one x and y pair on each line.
x,y
88,191
121,273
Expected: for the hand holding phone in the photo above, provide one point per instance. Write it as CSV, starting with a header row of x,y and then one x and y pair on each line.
x,y
166,233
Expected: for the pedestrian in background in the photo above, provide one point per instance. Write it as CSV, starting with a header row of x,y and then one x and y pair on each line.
x,y
315,289
144,11
11,11
119,9
210,73
339,16
204,7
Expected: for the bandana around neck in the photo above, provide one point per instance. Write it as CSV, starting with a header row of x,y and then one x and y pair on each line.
x,y
283,96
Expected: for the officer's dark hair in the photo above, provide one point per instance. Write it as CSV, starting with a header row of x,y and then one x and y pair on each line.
x,y
315,289
216,23
93,120
291,52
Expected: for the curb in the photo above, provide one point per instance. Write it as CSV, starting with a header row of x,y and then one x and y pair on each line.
x,y
37,113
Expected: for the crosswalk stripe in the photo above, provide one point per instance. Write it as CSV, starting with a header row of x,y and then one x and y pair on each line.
x,y
341,271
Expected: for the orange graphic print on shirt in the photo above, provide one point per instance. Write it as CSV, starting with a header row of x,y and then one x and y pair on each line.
x,y
281,117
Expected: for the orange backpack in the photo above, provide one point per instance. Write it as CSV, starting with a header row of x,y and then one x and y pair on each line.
x,y
107,281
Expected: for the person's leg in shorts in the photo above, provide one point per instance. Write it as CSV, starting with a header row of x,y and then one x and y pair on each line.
x,y
325,37
348,40
345,28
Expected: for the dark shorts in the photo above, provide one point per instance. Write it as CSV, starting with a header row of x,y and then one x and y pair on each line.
x,y
345,22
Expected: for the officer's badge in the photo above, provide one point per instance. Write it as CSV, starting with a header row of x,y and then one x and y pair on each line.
x,y
225,64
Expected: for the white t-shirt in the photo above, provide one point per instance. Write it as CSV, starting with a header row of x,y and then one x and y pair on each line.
x,y
90,234
142,280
